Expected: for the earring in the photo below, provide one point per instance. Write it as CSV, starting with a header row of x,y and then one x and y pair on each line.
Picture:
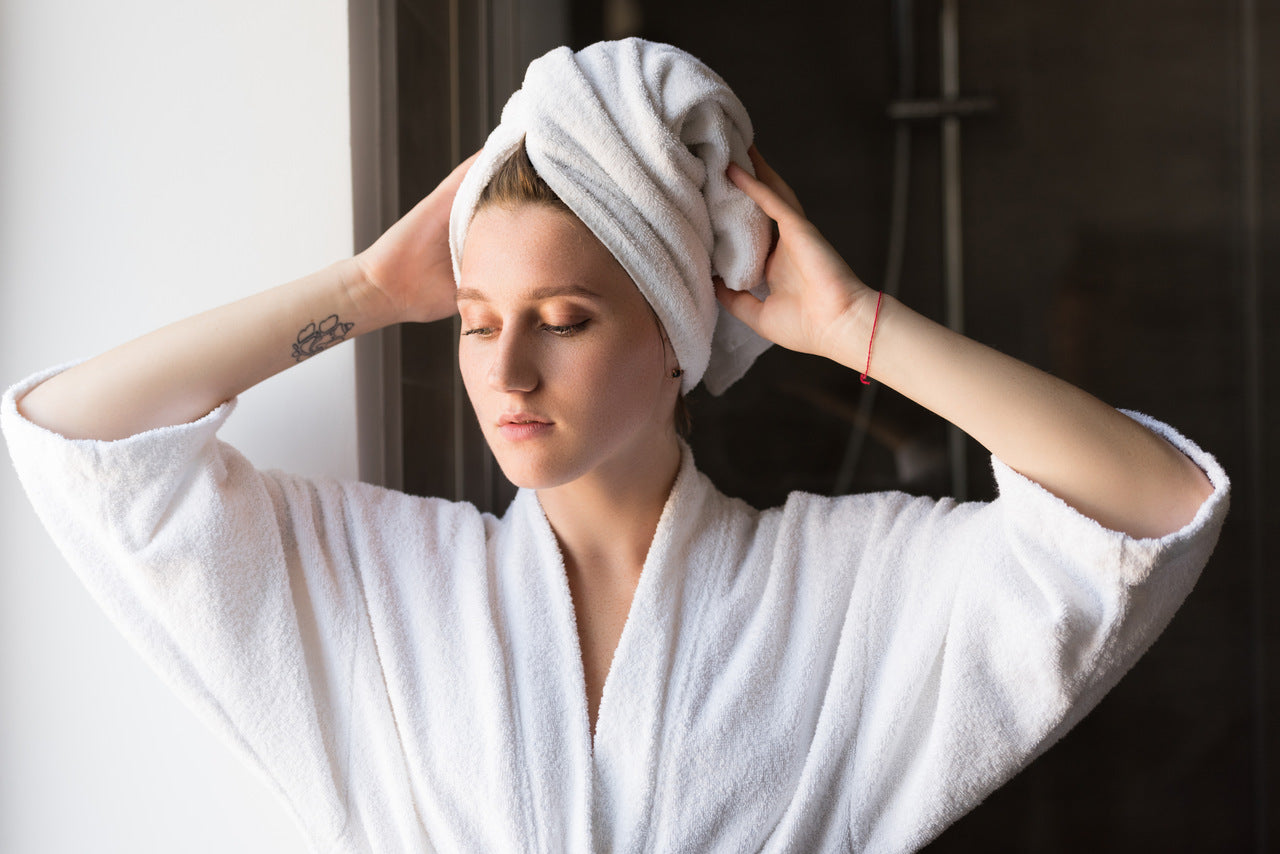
x,y
676,373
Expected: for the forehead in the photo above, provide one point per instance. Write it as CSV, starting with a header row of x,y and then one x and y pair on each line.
x,y
531,248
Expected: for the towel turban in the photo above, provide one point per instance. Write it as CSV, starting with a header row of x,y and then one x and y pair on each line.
x,y
634,137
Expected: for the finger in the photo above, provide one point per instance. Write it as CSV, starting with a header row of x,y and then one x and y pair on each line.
x,y
459,172
741,304
770,177
432,205
774,205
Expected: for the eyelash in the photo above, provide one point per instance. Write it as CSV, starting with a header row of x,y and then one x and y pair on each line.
x,y
565,331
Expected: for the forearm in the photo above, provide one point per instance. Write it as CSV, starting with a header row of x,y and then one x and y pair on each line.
x,y
1095,458
180,372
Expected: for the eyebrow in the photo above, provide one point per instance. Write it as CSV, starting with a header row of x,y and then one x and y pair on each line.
x,y
473,295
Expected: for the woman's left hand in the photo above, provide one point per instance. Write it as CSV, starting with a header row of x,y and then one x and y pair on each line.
x,y
814,298
1101,462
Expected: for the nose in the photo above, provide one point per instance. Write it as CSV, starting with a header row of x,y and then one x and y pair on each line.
x,y
514,366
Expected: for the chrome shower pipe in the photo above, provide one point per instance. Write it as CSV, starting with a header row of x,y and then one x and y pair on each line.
x,y
948,109
902,19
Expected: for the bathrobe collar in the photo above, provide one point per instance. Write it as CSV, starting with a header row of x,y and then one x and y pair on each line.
x,y
618,765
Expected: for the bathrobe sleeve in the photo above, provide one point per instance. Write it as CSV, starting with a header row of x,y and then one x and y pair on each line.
x,y
236,585
986,631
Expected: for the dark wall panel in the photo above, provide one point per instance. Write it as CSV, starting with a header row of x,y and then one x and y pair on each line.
x,y
1120,205
1106,240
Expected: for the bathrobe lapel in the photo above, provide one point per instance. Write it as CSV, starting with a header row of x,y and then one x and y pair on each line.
x,y
613,775
548,713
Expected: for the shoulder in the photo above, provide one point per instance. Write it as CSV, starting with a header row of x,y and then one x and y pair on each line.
x,y
832,542
877,514
384,527
807,528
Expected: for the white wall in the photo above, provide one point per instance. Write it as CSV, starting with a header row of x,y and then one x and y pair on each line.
x,y
157,157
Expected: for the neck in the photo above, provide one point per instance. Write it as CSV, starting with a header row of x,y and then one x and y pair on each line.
x,y
605,521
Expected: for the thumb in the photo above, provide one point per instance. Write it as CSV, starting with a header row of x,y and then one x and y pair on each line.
x,y
741,304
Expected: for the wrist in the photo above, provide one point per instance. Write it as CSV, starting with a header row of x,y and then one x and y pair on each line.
x,y
857,329
371,307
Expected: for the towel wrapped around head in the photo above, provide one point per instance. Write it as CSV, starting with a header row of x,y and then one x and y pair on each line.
x,y
635,136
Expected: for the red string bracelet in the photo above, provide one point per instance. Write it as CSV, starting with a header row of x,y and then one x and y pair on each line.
x,y
872,339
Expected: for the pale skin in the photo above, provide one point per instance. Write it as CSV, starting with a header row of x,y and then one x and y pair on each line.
x,y
604,505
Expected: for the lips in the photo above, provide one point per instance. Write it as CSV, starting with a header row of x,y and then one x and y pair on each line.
x,y
522,418
521,426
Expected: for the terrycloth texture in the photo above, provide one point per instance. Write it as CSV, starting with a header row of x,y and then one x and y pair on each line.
x,y
837,674
635,137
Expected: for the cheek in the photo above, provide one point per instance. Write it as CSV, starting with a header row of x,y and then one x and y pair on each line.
x,y
473,374
623,382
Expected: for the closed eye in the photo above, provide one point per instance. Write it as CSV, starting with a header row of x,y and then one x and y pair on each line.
x,y
566,331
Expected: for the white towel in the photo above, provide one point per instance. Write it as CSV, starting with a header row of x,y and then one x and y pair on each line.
x,y
635,137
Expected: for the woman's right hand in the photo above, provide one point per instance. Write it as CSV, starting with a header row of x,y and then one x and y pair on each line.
x,y
409,266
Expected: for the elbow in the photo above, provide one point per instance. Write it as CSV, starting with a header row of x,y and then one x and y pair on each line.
x,y
1181,493
1196,490
1159,503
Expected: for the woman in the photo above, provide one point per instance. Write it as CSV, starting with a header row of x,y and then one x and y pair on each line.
x,y
627,660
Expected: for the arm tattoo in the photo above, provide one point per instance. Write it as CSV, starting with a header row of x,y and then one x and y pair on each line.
x,y
317,337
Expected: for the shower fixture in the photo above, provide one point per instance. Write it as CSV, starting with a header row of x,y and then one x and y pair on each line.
x,y
906,110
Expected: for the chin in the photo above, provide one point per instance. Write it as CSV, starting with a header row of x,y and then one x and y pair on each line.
x,y
528,472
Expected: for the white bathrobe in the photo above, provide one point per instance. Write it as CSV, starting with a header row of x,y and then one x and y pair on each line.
x,y
836,674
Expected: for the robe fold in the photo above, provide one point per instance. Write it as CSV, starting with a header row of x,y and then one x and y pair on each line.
x,y
835,674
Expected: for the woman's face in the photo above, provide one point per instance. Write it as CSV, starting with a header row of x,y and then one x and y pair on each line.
x,y
561,355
